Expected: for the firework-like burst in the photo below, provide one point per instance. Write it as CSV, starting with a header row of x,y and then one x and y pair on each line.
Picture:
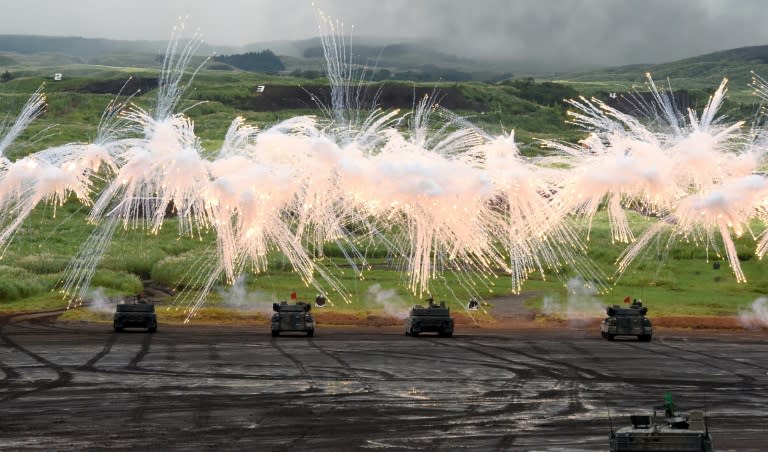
x,y
437,192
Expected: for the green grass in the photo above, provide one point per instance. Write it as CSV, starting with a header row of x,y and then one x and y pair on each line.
x,y
35,260
683,282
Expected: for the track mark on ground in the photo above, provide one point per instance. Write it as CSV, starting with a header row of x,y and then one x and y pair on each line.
x,y
145,344
107,347
349,369
312,385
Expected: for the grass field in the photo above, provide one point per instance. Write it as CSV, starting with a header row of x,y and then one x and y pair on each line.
x,y
682,282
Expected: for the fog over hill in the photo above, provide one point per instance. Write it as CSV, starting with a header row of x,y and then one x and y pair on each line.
x,y
380,53
567,33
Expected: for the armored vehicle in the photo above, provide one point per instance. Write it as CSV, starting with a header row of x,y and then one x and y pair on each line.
x,y
629,321
435,318
292,317
139,314
663,430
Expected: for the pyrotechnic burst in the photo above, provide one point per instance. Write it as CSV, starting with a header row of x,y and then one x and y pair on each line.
x,y
438,192
694,172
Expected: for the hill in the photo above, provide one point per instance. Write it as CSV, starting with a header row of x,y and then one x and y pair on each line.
x,y
701,72
393,59
25,50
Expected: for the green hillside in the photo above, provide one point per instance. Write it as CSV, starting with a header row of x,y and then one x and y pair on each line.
x,y
698,73
76,102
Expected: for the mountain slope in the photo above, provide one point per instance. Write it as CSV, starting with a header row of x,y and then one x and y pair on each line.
x,y
703,72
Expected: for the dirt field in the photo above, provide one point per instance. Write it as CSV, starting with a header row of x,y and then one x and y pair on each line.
x,y
80,386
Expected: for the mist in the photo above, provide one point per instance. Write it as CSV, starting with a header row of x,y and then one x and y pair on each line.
x,y
591,32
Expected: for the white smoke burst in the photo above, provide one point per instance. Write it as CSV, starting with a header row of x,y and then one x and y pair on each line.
x,y
387,300
99,302
238,296
581,304
756,316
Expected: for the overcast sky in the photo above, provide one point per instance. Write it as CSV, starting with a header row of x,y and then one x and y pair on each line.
x,y
595,31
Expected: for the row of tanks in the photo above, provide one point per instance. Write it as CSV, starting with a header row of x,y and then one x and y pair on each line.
x,y
293,317
435,317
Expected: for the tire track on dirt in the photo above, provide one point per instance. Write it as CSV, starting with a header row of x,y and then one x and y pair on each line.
x,y
145,346
521,374
302,370
712,356
91,363
711,361
62,376
365,382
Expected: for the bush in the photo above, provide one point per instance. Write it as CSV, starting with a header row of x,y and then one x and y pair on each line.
x,y
120,281
43,263
188,270
17,283
136,260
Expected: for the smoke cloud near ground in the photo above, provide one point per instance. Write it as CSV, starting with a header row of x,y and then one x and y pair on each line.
x,y
387,300
594,32
581,305
756,316
99,302
239,297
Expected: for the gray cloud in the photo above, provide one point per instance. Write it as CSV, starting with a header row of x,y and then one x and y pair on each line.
x,y
592,31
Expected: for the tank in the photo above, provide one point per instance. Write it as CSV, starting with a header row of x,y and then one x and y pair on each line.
x,y
138,314
434,318
629,321
292,317
663,429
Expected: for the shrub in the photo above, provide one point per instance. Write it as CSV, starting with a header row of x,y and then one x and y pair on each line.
x,y
17,283
43,263
135,260
188,270
117,280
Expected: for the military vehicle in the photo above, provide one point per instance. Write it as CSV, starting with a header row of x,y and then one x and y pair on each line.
x,y
137,314
434,318
663,430
292,317
629,321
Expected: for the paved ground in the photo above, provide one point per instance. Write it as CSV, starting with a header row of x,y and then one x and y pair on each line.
x,y
68,386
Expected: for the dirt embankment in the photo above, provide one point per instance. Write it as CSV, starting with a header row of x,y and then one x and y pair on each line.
x,y
280,97
131,86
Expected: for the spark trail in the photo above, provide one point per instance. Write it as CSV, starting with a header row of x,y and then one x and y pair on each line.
x,y
439,193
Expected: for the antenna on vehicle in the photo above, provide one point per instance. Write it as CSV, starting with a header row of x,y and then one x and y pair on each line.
x,y
706,425
610,421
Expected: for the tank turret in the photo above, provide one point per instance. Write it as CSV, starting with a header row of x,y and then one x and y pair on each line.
x,y
140,313
627,321
432,318
292,317
663,429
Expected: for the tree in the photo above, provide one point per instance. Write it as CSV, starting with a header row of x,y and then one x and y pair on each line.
x,y
6,76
